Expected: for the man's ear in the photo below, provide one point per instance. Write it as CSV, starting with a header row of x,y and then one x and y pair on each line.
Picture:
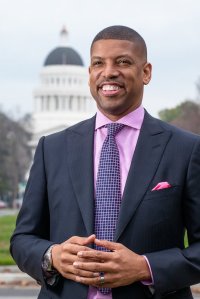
x,y
147,70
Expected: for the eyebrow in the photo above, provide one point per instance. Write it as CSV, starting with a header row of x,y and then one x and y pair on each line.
x,y
96,57
119,56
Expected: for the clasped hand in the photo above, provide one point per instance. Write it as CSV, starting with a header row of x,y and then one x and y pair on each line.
x,y
74,260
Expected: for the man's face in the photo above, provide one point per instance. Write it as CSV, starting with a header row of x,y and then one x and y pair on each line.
x,y
118,72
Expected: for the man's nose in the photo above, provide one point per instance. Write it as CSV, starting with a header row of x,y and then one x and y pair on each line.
x,y
110,71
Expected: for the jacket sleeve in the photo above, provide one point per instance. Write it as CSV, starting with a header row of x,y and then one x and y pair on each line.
x,y
176,268
30,239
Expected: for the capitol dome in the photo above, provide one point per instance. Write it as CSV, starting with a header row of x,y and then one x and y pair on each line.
x,y
63,56
62,97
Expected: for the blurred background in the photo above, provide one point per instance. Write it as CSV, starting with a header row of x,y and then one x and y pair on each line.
x,y
44,59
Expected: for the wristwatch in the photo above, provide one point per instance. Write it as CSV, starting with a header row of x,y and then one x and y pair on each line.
x,y
47,264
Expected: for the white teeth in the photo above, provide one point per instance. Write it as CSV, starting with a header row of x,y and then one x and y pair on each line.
x,y
110,87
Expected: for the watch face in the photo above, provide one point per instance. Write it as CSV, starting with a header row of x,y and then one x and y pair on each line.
x,y
46,264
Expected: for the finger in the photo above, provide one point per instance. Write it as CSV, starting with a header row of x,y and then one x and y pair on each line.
x,y
63,256
108,245
110,281
93,266
86,260
83,273
69,255
71,270
96,281
67,259
74,248
95,255
81,240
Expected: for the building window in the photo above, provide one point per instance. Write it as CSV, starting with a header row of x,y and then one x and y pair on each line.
x,y
48,104
70,102
78,103
56,102
42,103
63,103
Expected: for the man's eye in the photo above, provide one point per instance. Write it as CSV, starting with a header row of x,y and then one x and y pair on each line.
x,y
96,63
123,61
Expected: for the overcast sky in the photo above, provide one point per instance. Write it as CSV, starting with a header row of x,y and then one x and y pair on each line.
x,y
29,30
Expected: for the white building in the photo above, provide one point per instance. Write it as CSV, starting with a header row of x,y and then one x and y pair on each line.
x,y
62,97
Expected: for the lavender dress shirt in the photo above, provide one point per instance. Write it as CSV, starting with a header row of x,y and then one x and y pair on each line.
x,y
126,141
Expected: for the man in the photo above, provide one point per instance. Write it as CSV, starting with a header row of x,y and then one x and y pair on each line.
x,y
59,237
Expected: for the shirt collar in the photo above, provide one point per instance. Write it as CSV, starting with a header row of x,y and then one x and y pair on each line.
x,y
133,119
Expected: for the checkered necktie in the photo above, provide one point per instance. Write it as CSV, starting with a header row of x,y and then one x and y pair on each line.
x,y
108,189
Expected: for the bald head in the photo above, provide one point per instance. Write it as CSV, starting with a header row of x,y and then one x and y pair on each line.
x,y
119,32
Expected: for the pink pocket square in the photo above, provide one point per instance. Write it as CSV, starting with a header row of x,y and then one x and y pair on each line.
x,y
161,185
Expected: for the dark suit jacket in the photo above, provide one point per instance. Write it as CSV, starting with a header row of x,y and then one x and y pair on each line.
x,y
59,203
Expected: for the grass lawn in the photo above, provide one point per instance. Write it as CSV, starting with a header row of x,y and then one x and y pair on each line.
x,y
7,224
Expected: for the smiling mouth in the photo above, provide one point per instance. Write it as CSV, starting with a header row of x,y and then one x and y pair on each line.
x,y
110,89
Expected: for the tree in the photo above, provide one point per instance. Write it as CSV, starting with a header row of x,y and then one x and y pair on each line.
x,y
15,156
186,116
169,115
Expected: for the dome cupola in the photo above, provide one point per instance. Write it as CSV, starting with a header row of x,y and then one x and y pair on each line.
x,y
63,55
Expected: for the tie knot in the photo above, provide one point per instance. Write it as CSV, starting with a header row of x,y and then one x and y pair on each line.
x,y
114,128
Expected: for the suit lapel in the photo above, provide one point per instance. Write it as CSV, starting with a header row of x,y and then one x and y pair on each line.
x,y
149,150
80,161
148,153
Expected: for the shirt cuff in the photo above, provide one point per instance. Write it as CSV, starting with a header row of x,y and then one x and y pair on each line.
x,y
149,282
